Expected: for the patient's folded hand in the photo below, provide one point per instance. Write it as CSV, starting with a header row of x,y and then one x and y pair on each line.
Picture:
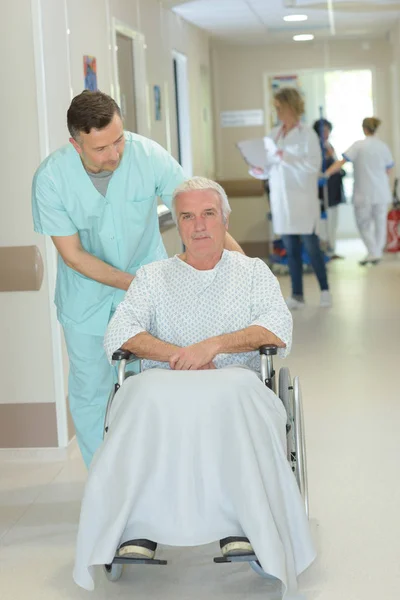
x,y
210,365
195,357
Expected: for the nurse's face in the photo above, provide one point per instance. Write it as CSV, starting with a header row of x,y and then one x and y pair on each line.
x,y
326,133
101,149
284,113
200,222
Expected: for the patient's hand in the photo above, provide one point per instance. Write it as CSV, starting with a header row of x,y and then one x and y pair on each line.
x,y
207,367
195,357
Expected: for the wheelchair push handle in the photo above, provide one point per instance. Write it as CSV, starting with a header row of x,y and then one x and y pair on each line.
x,y
269,350
121,354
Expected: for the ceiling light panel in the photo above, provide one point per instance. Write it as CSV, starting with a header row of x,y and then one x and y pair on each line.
x,y
295,18
303,37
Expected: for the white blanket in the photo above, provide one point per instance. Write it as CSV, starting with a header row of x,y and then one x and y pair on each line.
x,y
192,457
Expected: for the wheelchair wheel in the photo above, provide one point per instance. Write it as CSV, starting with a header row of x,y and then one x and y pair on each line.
x,y
295,435
300,442
286,395
113,572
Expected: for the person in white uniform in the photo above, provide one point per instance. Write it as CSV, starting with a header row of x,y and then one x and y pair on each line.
x,y
372,162
292,166
196,444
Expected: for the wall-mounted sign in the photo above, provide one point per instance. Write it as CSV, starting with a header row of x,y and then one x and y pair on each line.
x,y
242,118
90,73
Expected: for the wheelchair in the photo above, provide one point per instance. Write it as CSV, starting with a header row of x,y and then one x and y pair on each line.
x,y
290,394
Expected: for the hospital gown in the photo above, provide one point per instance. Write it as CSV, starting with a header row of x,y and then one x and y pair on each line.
x,y
192,457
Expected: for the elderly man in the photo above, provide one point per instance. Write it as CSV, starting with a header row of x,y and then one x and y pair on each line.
x,y
196,447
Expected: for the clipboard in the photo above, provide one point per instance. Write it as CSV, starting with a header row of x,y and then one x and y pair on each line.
x,y
254,152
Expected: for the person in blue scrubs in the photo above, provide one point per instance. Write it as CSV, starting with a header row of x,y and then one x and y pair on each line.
x,y
97,199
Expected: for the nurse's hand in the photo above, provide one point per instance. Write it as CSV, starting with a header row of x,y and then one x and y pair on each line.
x,y
195,357
257,171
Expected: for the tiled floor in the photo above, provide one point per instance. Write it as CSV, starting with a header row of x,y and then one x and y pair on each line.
x,y
349,360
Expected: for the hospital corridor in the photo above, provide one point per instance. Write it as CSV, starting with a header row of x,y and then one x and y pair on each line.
x,y
199,197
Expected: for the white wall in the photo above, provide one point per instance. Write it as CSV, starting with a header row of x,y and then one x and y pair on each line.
x,y
25,349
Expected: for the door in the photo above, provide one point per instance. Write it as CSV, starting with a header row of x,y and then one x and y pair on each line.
x,y
126,78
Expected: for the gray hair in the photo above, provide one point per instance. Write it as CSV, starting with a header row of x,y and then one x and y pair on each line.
x,y
202,183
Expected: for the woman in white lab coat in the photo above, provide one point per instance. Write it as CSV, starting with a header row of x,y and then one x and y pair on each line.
x,y
293,162
372,162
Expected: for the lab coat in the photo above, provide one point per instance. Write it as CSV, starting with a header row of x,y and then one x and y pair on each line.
x,y
121,228
370,157
293,181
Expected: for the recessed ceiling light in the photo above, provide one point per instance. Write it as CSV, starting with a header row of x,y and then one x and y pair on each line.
x,y
295,18
303,37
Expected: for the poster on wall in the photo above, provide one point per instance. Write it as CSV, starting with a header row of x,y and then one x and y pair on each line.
x,y
157,102
90,73
277,82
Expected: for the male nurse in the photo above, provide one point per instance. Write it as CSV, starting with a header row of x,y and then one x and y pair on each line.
x,y
97,199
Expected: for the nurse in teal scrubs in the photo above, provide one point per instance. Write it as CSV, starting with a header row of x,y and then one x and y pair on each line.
x,y
97,199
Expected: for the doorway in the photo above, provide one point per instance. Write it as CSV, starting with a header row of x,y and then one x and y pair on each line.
x,y
130,88
126,79
344,97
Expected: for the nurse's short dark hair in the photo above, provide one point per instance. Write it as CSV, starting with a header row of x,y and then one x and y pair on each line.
x,y
90,110
318,125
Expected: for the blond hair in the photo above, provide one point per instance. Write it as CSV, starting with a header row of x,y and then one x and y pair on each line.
x,y
371,124
292,98
202,183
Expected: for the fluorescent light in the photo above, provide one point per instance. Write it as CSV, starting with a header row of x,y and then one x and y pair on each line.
x,y
303,37
295,18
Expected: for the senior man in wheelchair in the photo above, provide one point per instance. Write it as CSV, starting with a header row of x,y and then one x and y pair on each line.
x,y
196,444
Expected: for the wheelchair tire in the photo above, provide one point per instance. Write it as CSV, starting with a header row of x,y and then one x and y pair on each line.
x,y
300,443
285,391
295,434
113,572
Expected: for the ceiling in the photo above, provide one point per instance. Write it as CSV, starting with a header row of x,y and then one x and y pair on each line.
x,y
261,21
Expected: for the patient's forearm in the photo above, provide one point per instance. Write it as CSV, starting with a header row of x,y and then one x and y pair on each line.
x,y
245,340
144,345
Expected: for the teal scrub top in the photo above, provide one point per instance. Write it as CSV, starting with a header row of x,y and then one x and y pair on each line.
x,y
120,228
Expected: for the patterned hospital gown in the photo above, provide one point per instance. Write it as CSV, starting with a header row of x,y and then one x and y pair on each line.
x,y
181,305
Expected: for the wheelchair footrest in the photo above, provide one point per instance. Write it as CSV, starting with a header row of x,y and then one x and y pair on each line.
x,y
125,560
237,558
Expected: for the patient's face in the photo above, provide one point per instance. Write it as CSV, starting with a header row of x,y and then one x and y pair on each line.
x,y
200,222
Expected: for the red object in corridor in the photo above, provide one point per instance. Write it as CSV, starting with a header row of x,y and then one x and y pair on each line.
x,y
393,230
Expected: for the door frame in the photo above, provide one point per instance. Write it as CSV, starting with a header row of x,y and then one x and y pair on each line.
x,y
142,97
185,136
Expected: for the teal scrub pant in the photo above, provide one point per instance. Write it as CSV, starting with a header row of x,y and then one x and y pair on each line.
x,y
90,382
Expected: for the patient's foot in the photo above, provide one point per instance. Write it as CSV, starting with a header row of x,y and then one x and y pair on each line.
x,y
235,546
137,549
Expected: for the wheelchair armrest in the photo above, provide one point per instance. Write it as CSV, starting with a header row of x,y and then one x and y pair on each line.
x,y
121,354
269,349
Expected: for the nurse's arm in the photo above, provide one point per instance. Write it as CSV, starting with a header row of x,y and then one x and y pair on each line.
x,y
83,262
231,244
335,168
